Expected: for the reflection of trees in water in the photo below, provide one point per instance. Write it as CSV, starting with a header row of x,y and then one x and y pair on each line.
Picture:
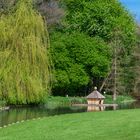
x,y
24,113
18,114
136,104
131,105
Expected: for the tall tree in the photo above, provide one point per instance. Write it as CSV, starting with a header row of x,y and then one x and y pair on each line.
x,y
105,19
24,55
77,59
136,66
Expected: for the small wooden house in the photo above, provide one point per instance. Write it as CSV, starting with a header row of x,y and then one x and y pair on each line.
x,y
95,98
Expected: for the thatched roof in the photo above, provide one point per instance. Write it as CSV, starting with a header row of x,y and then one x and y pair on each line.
x,y
95,95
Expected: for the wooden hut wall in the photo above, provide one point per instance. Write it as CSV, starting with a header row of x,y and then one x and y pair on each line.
x,y
95,101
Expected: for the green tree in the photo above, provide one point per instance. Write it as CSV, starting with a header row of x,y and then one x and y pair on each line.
x,y
77,59
108,20
6,5
24,55
100,18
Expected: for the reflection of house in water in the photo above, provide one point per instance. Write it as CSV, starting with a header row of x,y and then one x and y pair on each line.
x,y
95,108
95,101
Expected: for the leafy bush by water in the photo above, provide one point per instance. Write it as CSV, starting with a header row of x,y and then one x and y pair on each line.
x,y
120,99
53,101
2,103
64,101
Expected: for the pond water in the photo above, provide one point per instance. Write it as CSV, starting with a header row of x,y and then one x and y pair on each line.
x,y
26,113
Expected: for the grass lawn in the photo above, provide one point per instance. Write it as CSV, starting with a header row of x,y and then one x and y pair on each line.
x,y
109,125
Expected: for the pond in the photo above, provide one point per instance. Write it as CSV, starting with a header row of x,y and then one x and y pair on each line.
x,y
26,113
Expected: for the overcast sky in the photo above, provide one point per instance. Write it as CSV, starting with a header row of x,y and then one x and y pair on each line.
x,y
133,6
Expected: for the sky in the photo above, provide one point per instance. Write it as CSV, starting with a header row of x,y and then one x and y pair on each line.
x,y
134,7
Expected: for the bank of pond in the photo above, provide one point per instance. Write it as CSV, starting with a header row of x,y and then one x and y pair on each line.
x,y
52,101
60,105
108,125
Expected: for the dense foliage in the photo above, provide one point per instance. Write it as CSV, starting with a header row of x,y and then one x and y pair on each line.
x,y
78,57
24,55
102,18
135,70
85,34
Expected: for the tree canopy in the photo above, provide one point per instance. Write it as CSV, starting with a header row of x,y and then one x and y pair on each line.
x,y
88,34
85,37
24,55
100,18
78,57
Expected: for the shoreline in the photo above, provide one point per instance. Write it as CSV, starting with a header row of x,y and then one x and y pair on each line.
x,y
98,105
4,108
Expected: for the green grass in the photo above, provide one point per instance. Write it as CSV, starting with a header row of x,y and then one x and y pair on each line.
x,y
63,101
109,125
66,101
120,99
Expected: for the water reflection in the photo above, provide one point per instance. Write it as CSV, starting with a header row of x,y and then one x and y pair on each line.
x,y
132,105
95,108
24,113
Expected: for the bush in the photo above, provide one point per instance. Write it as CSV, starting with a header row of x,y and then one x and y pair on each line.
x,y
2,103
120,99
52,101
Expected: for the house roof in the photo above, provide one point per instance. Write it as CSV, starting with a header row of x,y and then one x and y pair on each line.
x,y
95,95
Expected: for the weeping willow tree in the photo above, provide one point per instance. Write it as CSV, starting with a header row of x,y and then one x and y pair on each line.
x,y
24,56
